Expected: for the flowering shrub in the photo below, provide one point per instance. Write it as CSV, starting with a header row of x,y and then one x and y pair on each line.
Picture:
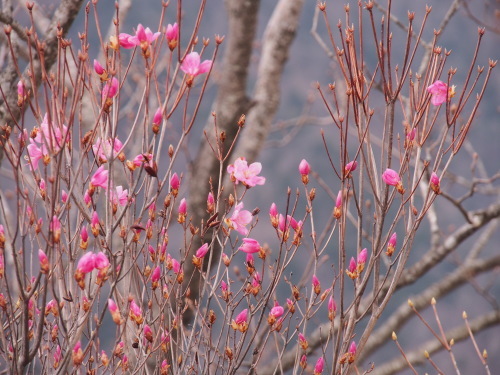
x,y
200,295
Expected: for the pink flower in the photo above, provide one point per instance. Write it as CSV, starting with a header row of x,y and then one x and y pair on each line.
x,y
44,261
100,178
362,256
242,317
249,246
391,245
350,167
86,263
104,150
57,356
101,261
202,251
120,197
110,89
435,183
124,40
192,66
55,227
316,284
175,182
183,206
148,333
51,135
318,368
210,203
277,311
98,68
144,37
440,92
391,177
35,154
240,219
157,118
172,35
332,305
304,167
246,174
353,348
155,277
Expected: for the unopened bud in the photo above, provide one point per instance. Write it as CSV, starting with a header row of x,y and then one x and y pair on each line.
x,y
394,336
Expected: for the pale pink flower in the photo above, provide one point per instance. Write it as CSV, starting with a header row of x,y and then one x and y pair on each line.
x,y
110,89
391,177
246,174
120,196
202,251
318,368
192,66
142,159
100,178
304,167
21,93
35,154
172,33
124,40
239,219
50,135
249,246
104,150
440,92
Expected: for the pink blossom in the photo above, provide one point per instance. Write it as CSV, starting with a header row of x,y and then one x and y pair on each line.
x,y
242,317
223,286
135,310
98,68
101,261
362,256
110,89
318,368
350,167
124,40
100,178
44,261
192,66
144,37
246,174
352,265
104,150
120,197
155,276
175,182
86,263
332,305
277,311
87,198
50,135
176,266
304,167
240,219
210,203
440,92
142,159
391,177
64,196
391,245
202,251
35,154
172,33
249,246
148,333
183,207
353,348
157,118
113,308
435,183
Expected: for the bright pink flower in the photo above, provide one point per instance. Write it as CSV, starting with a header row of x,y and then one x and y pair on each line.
x,y
202,251
95,224
134,309
172,33
84,235
100,178
175,182
362,256
352,265
86,263
304,167
110,89
350,167
192,66
155,277
435,183
44,261
391,245
183,206
277,311
101,261
113,308
223,286
148,333
87,198
249,246
144,37
124,40
157,118
246,174
240,219
391,177
318,368
440,92
241,317
176,266
98,68
353,348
